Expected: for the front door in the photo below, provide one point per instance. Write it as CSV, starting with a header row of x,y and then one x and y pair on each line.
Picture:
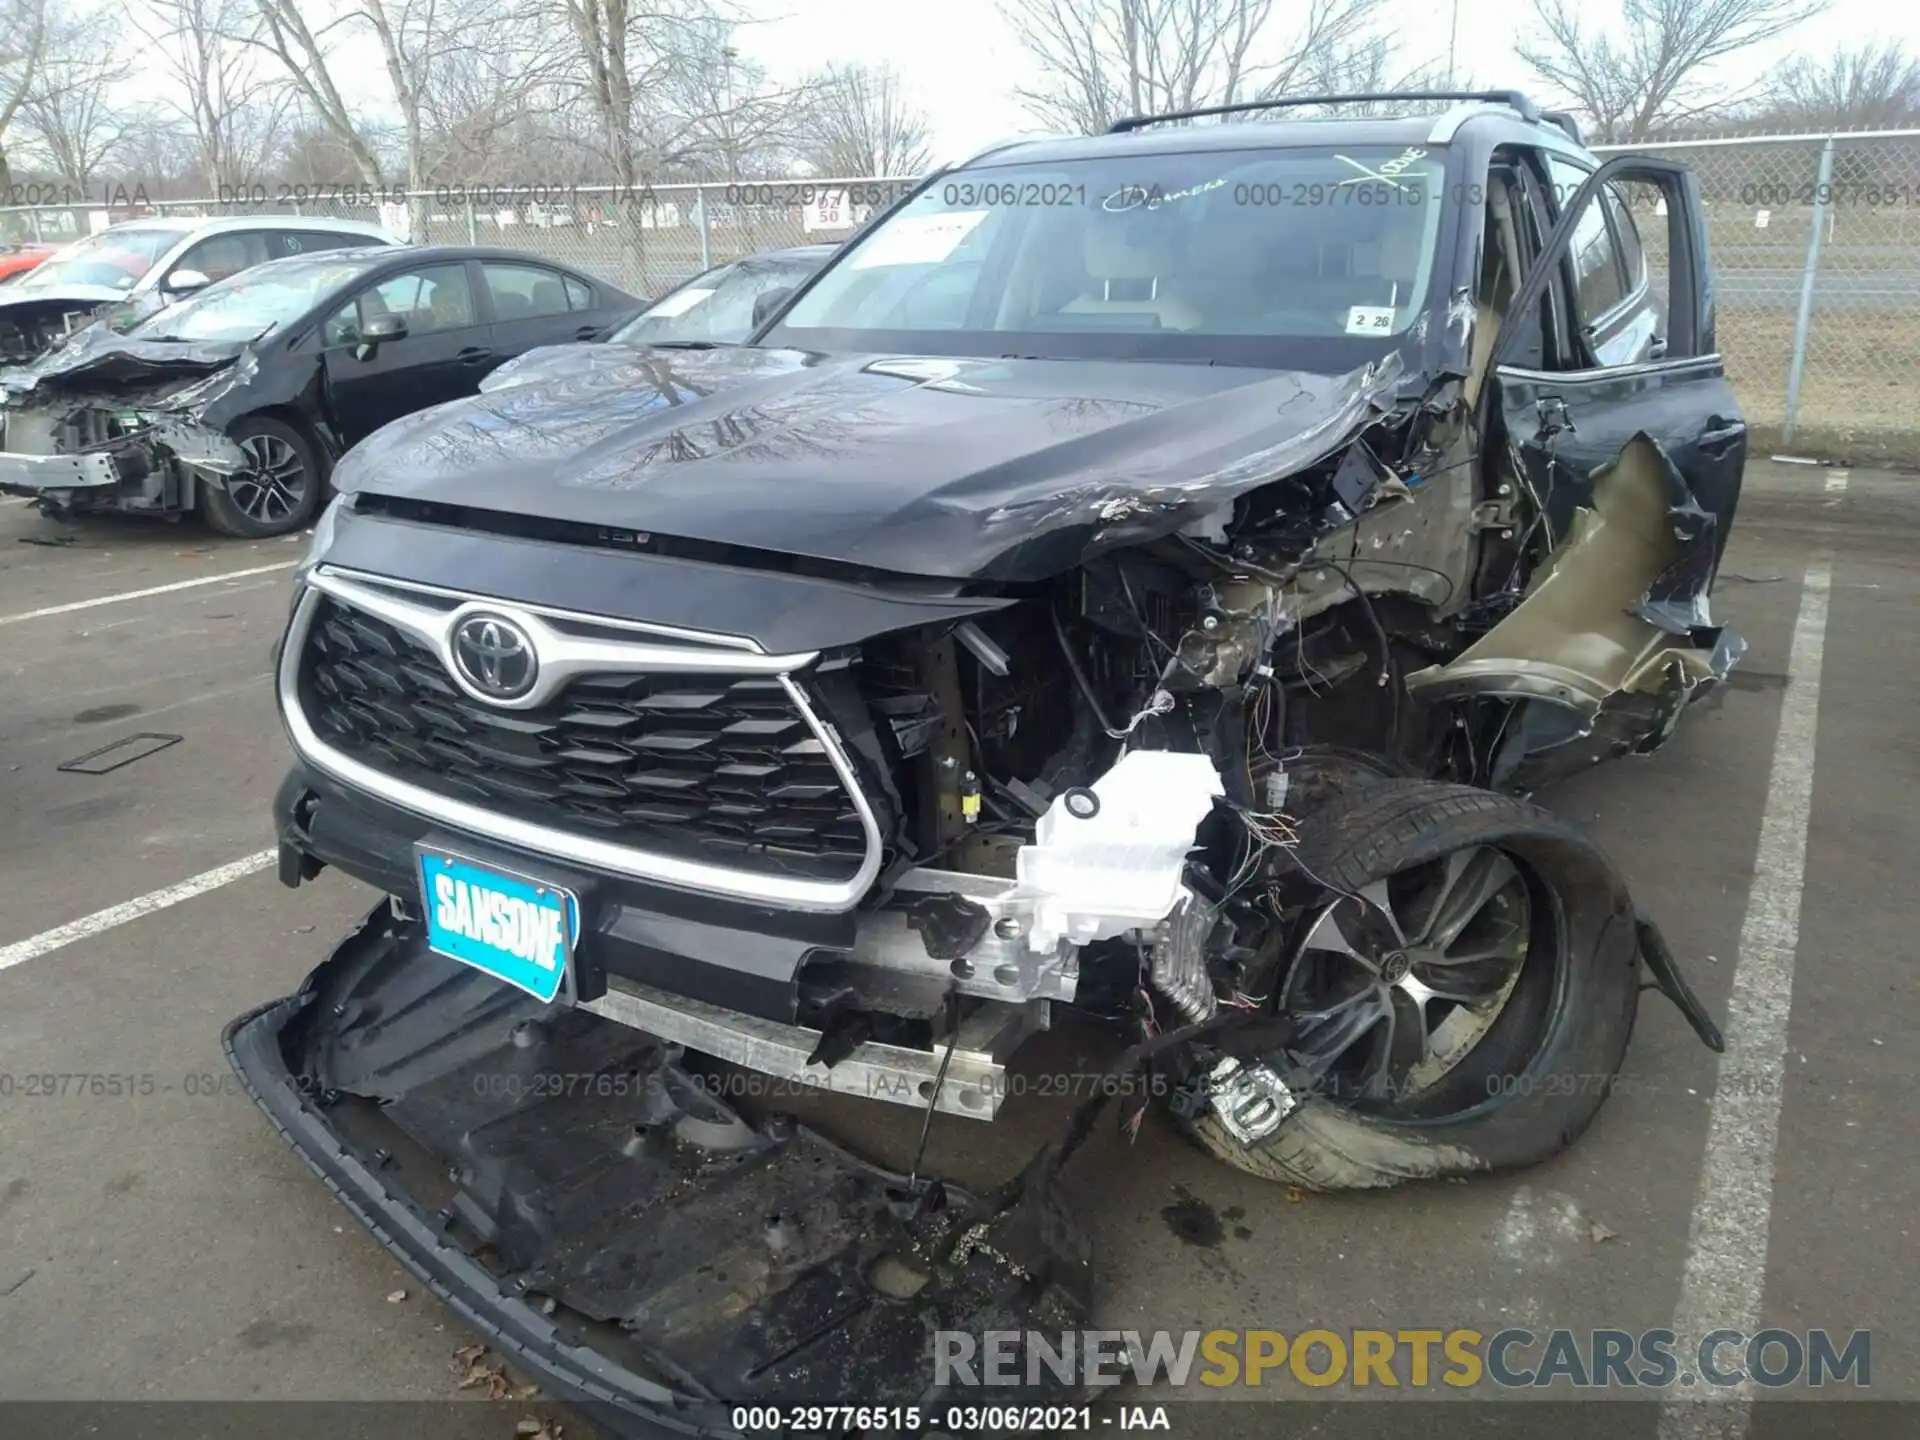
x,y
443,355
1631,351
1615,487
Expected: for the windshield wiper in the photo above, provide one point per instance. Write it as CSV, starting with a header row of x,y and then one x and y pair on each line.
x,y
682,344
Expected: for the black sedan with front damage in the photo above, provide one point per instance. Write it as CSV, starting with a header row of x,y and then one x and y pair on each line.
x,y
1118,580
236,402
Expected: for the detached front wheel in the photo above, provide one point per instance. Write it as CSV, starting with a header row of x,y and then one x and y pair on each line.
x,y
280,491
1461,1002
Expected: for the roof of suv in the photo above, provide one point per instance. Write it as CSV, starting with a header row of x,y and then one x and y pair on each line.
x,y
1438,126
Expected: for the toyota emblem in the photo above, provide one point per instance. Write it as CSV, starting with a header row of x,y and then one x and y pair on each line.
x,y
494,656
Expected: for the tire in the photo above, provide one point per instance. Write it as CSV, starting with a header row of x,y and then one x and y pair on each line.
x,y
1543,1063
1320,774
246,508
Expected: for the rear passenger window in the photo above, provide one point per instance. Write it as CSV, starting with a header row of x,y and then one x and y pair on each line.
x,y
1596,265
219,256
579,294
304,242
525,292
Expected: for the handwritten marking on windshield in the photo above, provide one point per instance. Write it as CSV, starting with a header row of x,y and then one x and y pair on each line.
x,y
1388,173
1136,197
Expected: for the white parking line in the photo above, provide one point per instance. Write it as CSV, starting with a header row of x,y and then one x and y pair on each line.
x,y
35,946
1726,1270
74,605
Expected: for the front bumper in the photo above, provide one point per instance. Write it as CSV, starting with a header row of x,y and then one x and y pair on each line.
x,y
22,474
625,1238
740,957
615,1397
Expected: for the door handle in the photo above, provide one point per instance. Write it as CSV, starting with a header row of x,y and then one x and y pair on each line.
x,y
1722,436
473,355
1657,348
588,332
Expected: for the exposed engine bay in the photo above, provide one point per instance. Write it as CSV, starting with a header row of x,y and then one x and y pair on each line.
x,y
113,424
1095,794
27,332
1143,787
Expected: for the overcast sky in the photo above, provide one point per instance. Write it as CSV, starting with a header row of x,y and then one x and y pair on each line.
x,y
961,61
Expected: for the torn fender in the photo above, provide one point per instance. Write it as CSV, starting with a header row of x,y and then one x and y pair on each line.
x,y
1600,649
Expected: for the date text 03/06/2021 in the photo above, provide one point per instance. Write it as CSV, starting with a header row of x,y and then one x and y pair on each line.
x,y
957,1420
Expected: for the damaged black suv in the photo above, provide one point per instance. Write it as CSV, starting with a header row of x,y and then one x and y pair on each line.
x,y
1139,573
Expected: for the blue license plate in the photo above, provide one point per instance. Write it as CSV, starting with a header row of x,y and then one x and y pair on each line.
x,y
515,929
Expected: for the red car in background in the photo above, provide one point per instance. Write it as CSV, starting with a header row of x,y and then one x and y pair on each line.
x,y
18,257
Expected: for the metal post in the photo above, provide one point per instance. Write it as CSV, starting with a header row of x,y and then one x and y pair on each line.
x,y
1822,201
33,219
472,239
706,236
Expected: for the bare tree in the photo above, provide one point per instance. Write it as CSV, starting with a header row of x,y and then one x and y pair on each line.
x,y
418,41
715,113
485,99
69,114
860,122
302,45
1108,58
23,46
1656,69
1373,66
651,72
214,85
1874,86
161,151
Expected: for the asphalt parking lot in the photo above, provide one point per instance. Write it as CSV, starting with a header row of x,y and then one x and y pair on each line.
x,y
161,1244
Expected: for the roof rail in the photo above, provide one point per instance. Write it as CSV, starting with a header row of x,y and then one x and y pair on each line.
x,y
1566,122
1513,99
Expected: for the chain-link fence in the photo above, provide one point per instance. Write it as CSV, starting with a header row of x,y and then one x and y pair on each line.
x,y
1814,239
1815,246
645,239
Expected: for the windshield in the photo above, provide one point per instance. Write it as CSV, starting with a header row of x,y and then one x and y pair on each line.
x,y
117,257
253,302
1213,255
716,306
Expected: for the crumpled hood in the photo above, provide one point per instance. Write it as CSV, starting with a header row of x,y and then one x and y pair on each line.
x,y
997,469
99,357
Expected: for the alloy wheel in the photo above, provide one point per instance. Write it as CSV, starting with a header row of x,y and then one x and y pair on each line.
x,y
274,488
1396,984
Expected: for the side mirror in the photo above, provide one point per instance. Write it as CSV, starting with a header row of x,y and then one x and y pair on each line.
x,y
181,281
769,301
380,327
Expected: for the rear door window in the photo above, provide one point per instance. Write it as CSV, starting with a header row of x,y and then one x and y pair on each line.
x,y
525,292
219,256
305,242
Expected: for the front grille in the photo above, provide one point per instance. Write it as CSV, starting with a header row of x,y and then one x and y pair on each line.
x,y
719,768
